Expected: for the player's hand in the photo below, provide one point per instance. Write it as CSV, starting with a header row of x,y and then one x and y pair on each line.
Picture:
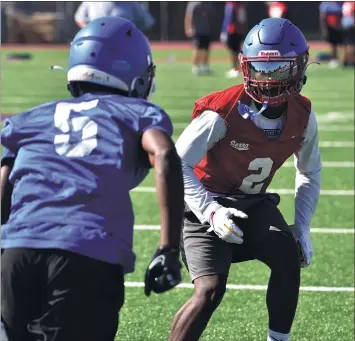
x,y
189,32
305,245
223,37
163,272
221,221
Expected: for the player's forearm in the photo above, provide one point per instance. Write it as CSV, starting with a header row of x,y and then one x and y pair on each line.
x,y
198,199
188,24
306,199
6,192
170,191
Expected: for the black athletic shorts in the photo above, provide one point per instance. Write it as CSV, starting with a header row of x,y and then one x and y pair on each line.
x,y
233,42
204,253
57,295
334,36
202,42
349,36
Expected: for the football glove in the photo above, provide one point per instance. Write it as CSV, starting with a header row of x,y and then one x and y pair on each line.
x,y
163,272
305,245
221,221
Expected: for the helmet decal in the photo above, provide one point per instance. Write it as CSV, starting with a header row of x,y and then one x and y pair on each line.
x,y
88,74
271,53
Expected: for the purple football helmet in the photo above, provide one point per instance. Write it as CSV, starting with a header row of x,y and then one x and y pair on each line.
x,y
113,52
273,61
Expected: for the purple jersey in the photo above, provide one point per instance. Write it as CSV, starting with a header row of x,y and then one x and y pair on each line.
x,y
76,161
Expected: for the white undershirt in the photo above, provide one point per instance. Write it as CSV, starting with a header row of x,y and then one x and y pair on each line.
x,y
208,128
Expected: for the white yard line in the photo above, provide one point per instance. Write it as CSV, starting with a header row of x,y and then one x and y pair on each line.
x,y
336,144
322,144
279,190
328,164
321,127
336,117
330,230
336,127
253,287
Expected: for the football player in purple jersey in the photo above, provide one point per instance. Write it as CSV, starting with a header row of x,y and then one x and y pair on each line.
x,y
67,169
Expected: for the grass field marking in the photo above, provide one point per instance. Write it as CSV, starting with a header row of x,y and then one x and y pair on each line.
x,y
328,164
331,117
336,128
321,127
330,230
336,144
253,287
283,191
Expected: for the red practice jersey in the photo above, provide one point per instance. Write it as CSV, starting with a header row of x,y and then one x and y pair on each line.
x,y
245,160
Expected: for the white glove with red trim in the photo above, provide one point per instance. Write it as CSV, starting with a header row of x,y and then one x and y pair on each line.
x,y
225,228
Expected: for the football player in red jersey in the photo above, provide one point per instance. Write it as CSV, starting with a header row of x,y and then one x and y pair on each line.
x,y
237,140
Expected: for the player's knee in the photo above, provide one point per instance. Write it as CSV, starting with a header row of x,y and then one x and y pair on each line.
x,y
209,291
293,252
288,259
282,254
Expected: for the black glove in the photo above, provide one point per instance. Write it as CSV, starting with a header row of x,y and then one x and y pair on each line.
x,y
163,272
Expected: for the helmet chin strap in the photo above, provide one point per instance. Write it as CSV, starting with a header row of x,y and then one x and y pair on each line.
x,y
57,67
305,77
247,112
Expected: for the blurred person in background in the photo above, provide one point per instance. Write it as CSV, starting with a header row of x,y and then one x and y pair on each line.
x,y
330,26
348,25
233,31
130,10
277,9
198,26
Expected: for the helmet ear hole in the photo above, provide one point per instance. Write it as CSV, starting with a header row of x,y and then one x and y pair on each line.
x,y
304,80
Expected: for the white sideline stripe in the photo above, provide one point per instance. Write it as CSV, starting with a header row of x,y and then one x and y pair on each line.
x,y
252,287
313,230
280,191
